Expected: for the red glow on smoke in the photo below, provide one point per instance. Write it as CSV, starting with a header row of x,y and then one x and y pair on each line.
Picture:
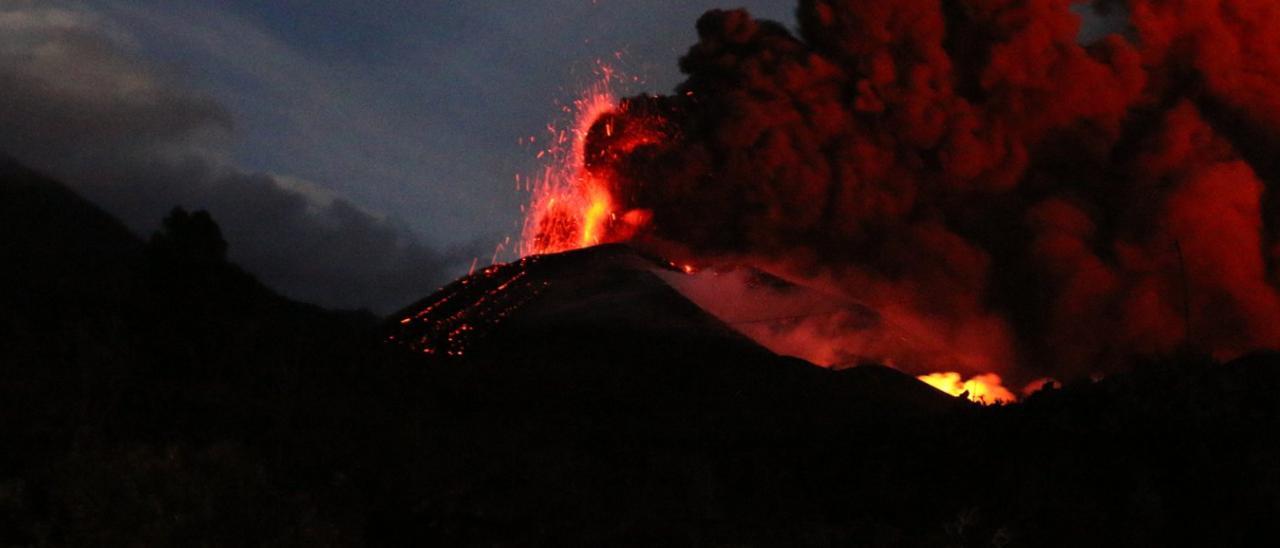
x,y
1019,204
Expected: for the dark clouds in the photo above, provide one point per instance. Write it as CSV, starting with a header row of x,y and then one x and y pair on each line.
x,y
80,101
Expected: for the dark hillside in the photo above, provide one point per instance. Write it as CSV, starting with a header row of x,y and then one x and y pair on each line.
x,y
154,394
151,383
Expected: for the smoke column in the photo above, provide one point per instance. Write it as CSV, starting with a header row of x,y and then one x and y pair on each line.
x,y
1041,206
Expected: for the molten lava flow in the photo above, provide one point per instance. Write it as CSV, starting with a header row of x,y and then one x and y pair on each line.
x,y
985,389
448,322
599,207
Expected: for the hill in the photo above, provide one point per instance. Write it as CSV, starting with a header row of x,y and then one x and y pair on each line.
x,y
144,386
152,393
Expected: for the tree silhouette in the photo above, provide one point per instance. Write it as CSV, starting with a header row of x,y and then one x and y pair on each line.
x,y
189,237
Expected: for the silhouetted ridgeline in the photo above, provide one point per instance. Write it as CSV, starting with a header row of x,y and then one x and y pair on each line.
x,y
153,394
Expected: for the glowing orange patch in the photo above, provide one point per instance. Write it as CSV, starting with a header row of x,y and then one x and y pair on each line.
x,y
985,389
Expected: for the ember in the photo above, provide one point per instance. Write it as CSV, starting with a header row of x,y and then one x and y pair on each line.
x,y
570,208
446,323
573,204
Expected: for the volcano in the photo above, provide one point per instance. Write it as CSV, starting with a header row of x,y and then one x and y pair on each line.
x,y
725,296
153,391
611,323
598,385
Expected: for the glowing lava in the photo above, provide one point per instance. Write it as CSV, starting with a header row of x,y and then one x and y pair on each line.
x,y
570,207
573,204
985,389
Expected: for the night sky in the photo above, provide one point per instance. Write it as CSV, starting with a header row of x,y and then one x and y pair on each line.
x,y
355,154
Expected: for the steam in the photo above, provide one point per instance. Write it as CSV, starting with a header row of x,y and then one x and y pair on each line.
x,y
970,171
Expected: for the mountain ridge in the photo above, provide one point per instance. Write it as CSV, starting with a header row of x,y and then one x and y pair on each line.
x,y
179,401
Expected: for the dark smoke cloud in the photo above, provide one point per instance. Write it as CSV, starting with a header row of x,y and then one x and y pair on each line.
x,y
77,101
1029,199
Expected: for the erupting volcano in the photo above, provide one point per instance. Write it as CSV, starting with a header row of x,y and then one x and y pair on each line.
x,y
1010,200
926,273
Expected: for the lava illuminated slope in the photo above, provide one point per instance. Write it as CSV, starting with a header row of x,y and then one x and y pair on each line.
x,y
606,285
581,320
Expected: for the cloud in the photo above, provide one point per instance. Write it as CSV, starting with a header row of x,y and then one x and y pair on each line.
x,y
79,101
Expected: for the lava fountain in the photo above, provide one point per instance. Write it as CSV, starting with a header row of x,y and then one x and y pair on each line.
x,y
572,205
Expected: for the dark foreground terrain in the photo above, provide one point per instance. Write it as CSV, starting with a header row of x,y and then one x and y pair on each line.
x,y
153,394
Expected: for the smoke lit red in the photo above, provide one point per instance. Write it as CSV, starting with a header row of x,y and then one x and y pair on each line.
x,y
1038,206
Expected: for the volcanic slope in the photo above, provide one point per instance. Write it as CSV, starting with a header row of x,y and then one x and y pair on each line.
x,y
588,399
601,326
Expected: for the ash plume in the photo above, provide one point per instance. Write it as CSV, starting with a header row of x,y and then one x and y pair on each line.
x,y
1044,206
